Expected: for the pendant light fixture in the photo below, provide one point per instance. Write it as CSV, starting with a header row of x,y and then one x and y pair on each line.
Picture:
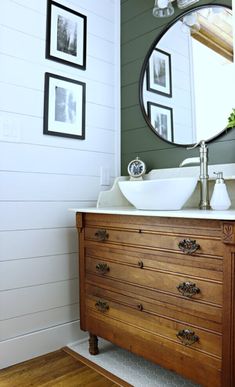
x,y
163,8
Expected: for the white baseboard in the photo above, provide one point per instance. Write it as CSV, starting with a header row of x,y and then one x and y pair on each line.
x,y
80,341
26,347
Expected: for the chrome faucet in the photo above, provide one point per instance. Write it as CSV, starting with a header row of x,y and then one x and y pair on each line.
x,y
204,177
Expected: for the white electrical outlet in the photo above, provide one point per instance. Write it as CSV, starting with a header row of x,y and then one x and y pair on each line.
x,y
104,176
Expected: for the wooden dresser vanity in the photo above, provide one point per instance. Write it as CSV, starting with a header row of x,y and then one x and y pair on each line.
x,y
163,288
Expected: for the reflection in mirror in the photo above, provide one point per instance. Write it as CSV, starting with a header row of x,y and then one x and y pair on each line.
x,y
186,89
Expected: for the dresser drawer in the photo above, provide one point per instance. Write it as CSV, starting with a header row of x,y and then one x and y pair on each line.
x,y
163,225
173,262
200,367
184,335
165,282
208,317
185,243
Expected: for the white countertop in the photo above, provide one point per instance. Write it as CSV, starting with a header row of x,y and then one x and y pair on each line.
x,y
185,213
113,202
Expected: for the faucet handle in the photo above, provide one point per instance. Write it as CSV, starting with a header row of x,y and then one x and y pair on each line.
x,y
201,142
190,160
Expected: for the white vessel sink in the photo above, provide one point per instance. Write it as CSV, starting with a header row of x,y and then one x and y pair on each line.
x,y
159,194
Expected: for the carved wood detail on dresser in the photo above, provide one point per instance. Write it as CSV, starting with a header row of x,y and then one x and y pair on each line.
x,y
162,288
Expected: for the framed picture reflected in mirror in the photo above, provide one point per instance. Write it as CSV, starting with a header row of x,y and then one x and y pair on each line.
x,y
159,73
161,118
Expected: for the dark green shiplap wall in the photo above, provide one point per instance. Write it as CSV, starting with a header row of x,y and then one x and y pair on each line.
x,y
138,31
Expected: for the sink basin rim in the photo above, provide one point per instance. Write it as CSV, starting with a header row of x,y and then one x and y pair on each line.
x,y
148,195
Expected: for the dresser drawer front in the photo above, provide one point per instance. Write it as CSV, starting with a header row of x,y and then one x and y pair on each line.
x,y
210,292
185,336
206,317
162,225
202,267
203,368
156,240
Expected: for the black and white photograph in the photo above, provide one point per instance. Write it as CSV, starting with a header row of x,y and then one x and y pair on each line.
x,y
64,107
161,118
159,73
66,35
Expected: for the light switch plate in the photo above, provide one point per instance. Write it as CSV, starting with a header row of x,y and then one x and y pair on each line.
x,y
104,176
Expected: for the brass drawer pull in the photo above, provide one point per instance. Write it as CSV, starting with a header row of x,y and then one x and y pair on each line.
x,y
188,246
140,264
102,306
188,289
101,235
140,307
187,337
102,268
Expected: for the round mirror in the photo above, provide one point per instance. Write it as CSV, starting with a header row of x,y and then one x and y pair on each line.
x,y
186,83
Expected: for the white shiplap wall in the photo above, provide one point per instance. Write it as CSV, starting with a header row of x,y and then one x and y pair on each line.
x,y
42,176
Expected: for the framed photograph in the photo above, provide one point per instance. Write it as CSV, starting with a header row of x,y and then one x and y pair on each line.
x,y
66,35
161,118
64,107
159,73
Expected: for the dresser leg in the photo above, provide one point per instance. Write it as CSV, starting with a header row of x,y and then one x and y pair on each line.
x,y
93,344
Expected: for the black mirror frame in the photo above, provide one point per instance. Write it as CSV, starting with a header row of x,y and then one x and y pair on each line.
x,y
144,67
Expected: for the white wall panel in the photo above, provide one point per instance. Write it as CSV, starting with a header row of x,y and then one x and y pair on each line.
x,y
26,324
35,70
36,186
99,96
18,302
34,344
35,82
37,271
21,100
35,23
46,160
35,5
18,215
8,75
28,130
99,115
103,49
105,28
37,243
104,69
42,176
105,8
21,45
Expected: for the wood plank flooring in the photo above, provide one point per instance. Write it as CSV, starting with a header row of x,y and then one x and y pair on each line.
x,y
62,368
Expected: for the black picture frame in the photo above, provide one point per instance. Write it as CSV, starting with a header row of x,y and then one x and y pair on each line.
x,y
159,77
161,118
66,35
64,107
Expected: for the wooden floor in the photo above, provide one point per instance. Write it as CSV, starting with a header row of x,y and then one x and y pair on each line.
x,y
61,368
